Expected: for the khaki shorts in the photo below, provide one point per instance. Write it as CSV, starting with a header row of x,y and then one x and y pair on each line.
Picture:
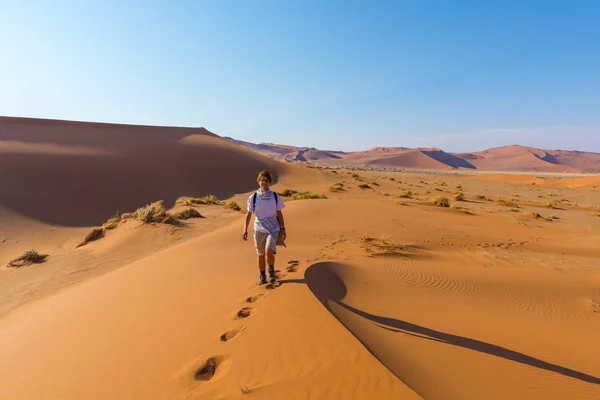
x,y
265,241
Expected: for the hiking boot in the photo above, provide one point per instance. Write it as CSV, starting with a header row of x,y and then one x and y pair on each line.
x,y
272,277
262,280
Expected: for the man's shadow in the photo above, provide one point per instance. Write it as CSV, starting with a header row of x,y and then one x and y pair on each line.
x,y
327,287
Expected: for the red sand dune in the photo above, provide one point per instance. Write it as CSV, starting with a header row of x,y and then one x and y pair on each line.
x,y
508,158
85,172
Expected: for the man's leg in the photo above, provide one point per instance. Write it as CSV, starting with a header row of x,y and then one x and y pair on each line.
x,y
262,264
260,241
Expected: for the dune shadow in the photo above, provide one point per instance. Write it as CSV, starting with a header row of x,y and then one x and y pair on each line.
x,y
327,286
130,167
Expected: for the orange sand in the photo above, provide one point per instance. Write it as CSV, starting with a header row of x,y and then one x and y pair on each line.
x,y
490,304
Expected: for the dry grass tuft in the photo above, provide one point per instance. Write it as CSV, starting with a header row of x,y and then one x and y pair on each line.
x,y
153,212
364,186
232,205
460,196
399,202
461,209
337,187
406,194
306,196
112,222
29,257
507,203
440,201
381,247
288,193
375,184
94,234
184,214
193,201
550,204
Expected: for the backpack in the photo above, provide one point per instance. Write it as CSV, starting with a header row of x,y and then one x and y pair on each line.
x,y
254,200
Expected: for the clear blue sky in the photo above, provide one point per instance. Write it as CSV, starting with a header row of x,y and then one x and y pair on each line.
x,y
348,75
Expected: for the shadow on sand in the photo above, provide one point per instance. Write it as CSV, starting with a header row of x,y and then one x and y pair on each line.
x,y
328,287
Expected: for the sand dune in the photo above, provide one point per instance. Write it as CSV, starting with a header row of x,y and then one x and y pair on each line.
x,y
378,297
508,158
124,167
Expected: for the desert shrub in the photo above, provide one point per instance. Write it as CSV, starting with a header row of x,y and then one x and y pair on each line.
x,y
288,193
29,257
382,247
506,203
440,201
232,205
549,204
94,234
459,196
406,195
461,209
337,187
153,212
192,201
364,186
184,214
306,196
112,222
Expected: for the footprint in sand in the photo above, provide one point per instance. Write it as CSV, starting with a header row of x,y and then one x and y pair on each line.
x,y
227,336
272,286
210,368
292,266
244,313
254,299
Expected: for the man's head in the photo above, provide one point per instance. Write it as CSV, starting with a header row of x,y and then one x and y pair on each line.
x,y
264,179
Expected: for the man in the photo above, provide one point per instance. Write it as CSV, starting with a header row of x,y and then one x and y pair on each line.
x,y
268,225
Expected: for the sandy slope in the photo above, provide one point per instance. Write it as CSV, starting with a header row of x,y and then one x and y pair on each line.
x,y
495,303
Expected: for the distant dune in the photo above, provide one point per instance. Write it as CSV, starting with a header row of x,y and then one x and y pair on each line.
x,y
513,158
79,174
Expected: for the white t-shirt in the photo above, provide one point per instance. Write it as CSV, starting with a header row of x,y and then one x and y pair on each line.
x,y
266,212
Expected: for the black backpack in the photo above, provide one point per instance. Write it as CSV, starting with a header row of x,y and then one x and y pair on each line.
x,y
254,200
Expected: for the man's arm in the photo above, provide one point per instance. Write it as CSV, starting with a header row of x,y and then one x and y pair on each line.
x,y
245,234
281,224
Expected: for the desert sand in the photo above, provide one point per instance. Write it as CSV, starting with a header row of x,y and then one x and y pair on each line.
x,y
381,294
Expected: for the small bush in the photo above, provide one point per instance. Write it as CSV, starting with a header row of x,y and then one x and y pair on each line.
x,y
459,196
27,258
338,187
461,209
232,205
440,201
399,202
549,204
364,186
184,214
392,179
112,222
306,196
355,176
288,193
481,197
506,203
94,234
406,195
153,212
193,201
